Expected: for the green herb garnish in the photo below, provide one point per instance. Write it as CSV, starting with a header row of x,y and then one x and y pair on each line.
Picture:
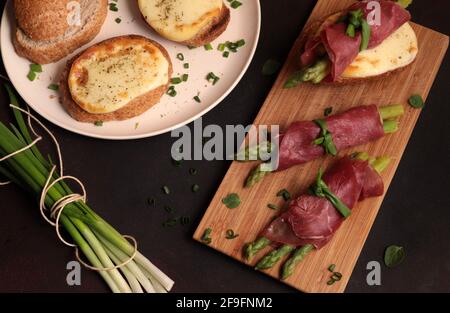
x,y
113,7
365,35
273,206
235,4
226,54
37,68
180,56
185,77
394,255
53,87
31,75
197,99
98,123
270,67
208,47
171,91
232,201
332,267
284,194
320,189
221,47
118,20
176,80
230,235
212,77
328,111
186,65
171,222
325,139
416,101
206,238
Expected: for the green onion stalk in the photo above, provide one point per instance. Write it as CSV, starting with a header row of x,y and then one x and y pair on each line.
x,y
123,268
388,114
297,254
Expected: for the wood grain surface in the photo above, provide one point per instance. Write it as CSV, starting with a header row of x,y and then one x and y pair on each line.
x,y
308,102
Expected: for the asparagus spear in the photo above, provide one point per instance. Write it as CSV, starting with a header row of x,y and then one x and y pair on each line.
x,y
253,153
253,248
298,256
273,257
256,175
314,74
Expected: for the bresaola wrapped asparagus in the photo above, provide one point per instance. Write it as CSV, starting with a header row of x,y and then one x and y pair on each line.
x,y
305,141
313,218
342,49
352,128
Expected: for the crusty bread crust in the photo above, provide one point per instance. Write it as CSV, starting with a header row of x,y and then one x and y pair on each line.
x,y
314,28
134,108
212,31
55,51
32,14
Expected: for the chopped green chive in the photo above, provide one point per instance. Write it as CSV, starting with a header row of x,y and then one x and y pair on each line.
x,y
332,267
230,235
195,188
185,77
37,68
328,111
31,75
240,43
221,47
54,87
235,4
166,190
98,123
171,91
197,99
284,194
171,222
176,80
191,47
212,77
180,56
226,54
331,282
206,238
186,65
336,276
113,7
272,206
416,101
208,47
118,20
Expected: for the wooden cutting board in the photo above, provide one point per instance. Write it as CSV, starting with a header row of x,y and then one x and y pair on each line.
x,y
308,102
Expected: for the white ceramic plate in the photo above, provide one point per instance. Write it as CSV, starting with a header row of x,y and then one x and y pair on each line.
x,y
170,113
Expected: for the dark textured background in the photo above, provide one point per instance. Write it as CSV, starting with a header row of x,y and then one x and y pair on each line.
x,y
120,176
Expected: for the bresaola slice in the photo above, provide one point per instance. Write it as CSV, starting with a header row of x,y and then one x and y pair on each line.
x,y
342,50
354,127
314,220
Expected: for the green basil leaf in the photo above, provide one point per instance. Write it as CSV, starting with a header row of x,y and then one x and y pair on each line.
x,y
394,255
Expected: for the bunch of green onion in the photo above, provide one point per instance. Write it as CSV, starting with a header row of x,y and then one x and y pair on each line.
x,y
101,244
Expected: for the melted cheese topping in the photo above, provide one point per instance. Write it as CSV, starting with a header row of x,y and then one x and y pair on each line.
x,y
180,20
108,76
398,50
